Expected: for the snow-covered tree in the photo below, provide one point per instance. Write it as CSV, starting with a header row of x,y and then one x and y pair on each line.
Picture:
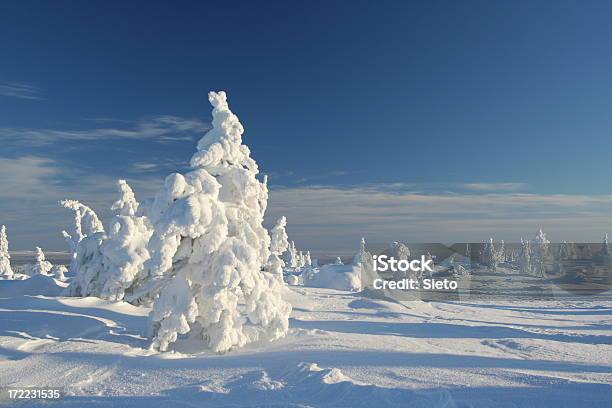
x,y
307,259
491,256
5,257
400,251
364,260
539,253
86,223
605,247
524,257
564,251
209,246
41,266
292,256
279,242
110,264
59,272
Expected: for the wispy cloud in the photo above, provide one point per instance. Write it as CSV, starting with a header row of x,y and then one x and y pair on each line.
x,y
19,90
26,177
145,166
160,129
494,186
159,164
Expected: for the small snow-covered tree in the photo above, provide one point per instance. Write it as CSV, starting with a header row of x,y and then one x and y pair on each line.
x,y
41,266
524,257
5,257
364,260
491,256
109,264
564,251
59,272
307,259
501,252
209,246
400,251
279,242
86,223
539,254
605,247
292,257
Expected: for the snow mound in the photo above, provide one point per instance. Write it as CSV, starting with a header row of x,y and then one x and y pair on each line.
x,y
326,376
335,276
38,285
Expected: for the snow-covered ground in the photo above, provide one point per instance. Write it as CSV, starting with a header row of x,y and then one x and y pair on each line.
x,y
341,350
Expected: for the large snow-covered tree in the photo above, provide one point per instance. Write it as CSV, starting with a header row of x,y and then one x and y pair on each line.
x,y
5,257
209,247
110,264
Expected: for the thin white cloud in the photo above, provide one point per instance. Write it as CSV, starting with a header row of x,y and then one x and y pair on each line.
x,y
145,166
19,90
161,129
25,177
494,186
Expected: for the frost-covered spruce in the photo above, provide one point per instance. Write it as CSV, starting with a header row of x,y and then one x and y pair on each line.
x,y
605,247
524,258
209,247
307,259
400,251
279,242
492,256
86,223
110,264
41,266
5,257
292,257
364,260
539,254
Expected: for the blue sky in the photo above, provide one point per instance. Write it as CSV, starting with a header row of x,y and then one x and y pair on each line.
x,y
426,104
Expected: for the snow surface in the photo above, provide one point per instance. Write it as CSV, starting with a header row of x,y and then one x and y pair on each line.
x,y
342,349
